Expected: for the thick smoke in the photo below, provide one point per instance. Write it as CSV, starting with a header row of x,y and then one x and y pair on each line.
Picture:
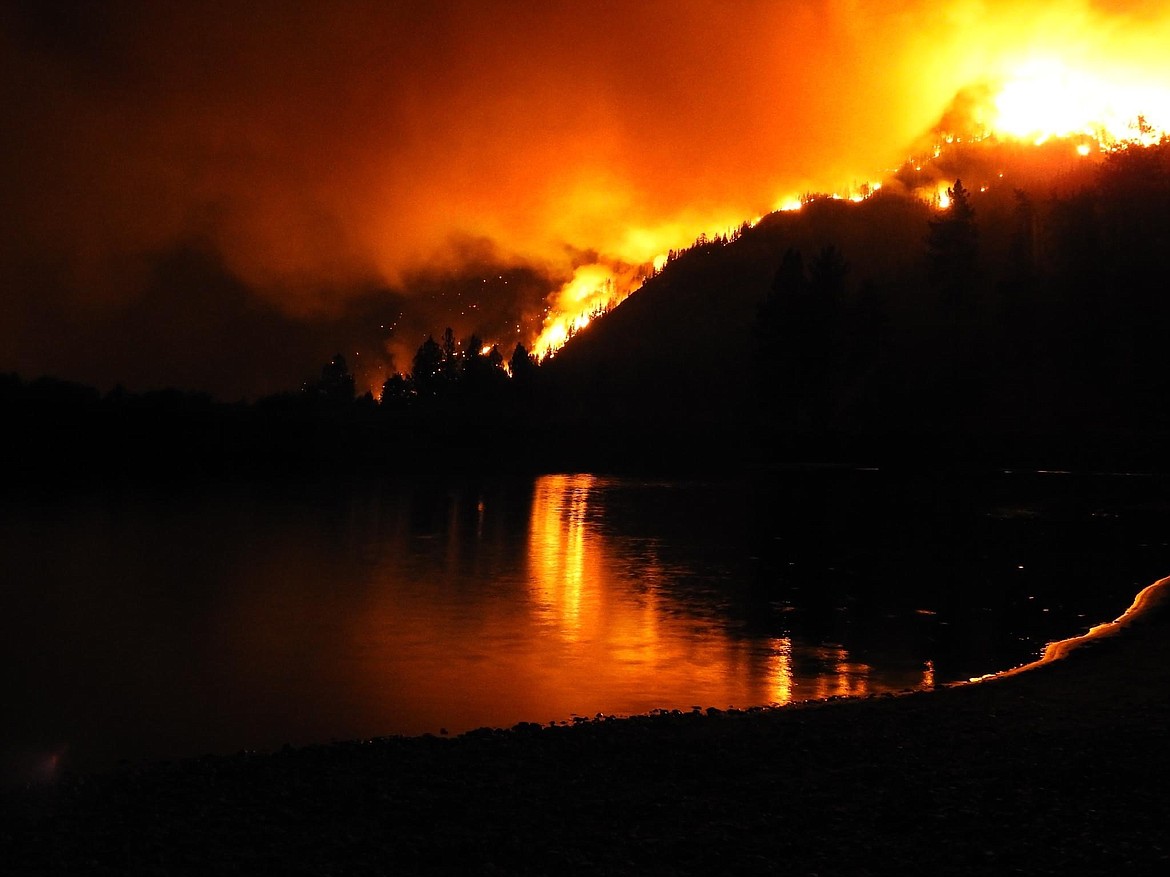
x,y
338,168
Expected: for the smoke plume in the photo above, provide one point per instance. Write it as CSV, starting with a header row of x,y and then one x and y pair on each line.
x,y
275,180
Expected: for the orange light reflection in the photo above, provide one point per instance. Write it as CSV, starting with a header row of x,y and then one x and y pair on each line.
x,y
608,609
779,671
557,552
574,618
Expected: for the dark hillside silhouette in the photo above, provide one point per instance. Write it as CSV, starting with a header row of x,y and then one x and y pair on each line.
x,y
682,354
1021,324
1016,321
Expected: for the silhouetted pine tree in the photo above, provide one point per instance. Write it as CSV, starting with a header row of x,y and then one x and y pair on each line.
x,y
427,369
336,384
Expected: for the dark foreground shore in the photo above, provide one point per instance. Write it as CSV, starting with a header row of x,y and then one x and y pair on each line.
x,y
1059,769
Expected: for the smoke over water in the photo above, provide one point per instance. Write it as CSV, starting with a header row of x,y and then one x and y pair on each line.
x,y
220,195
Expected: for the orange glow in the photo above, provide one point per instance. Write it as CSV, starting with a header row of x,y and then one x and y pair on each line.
x,y
1035,100
381,146
557,538
1155,595
780,671
578,593
793,203
593,290
1045,98
847,679
1036,71
600,286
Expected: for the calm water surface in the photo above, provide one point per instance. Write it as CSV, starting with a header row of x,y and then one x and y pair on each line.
x,y
165,623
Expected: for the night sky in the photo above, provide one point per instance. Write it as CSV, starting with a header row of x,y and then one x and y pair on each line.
x,y
218,196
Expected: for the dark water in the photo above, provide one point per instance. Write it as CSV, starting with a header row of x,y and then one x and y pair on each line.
x,y
155,623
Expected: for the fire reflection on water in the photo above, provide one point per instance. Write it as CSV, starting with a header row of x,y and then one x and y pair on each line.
x,y
845,678
780,670
613,608
557,545
405,611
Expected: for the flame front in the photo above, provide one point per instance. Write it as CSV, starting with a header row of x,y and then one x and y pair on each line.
x,y
598,287
1066,79
1044,98
593,290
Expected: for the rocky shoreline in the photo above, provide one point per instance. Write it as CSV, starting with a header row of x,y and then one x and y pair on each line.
x,y
1056,768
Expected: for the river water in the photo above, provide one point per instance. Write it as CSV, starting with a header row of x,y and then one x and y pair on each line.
x,y
157,623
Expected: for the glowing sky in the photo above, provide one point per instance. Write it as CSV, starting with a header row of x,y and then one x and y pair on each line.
x,y
331,169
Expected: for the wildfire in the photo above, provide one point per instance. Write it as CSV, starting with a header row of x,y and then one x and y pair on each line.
x,y
593,290
1034,101
793,203
1042,99
600,286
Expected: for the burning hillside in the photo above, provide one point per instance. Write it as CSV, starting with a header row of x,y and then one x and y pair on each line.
x,y
1038,123
352,177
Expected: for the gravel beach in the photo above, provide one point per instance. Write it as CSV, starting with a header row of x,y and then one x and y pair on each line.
x,y
1058,768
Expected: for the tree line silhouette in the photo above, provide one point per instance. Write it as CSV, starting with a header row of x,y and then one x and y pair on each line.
x,y
1043,317
1014,322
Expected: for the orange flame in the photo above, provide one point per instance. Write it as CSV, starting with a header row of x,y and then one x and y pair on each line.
x,y
1034,100
593,289
600,286
1042,98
